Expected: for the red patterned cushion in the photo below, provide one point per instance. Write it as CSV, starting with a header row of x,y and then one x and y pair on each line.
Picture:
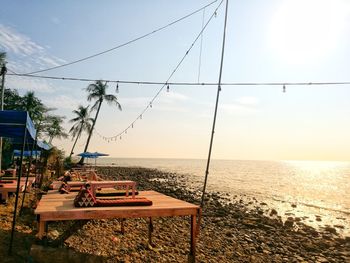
x,y
124,202
84,198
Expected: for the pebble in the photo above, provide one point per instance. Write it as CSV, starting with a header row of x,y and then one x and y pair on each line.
x,y
229,232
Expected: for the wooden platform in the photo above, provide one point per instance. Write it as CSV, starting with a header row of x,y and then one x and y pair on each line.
x,y
7,188
55,206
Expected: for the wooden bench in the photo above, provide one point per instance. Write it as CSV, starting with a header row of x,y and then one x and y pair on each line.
x,y
7,188
57,207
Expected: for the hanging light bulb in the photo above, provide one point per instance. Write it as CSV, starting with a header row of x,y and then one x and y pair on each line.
x,y
117,88
167,88
141,117
126,131
216,14
150,104
132,125
284,88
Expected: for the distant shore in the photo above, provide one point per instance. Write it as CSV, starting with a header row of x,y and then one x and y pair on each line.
x,y
230,232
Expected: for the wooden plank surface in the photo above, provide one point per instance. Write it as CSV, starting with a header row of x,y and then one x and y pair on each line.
x,y
7,188
55,206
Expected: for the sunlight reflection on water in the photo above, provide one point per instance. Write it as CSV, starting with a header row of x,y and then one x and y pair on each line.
x,y
316,188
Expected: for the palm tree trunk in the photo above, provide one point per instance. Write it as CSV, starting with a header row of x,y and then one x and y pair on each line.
x,y
91,131
76,140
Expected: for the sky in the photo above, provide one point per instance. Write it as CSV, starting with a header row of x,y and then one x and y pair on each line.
x,y
266,41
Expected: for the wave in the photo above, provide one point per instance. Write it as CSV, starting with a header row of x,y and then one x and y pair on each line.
x,y
314,206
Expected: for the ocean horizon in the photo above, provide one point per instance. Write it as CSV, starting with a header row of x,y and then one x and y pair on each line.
x,y
315,191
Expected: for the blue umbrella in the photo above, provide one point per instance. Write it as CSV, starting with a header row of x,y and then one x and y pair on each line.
x,y
93,155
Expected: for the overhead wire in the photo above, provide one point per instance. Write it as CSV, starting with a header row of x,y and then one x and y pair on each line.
x,y
149,105
125,43
200,49
140,82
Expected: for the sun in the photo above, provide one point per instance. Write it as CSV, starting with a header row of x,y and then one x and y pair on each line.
x,y
306,31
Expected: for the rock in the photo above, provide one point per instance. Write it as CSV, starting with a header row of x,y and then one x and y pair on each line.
x,y
53,234
273,212
321,260
330,230
60,255
309,246
289,223
293,205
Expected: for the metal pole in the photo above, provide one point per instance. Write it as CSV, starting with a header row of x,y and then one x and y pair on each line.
x,y
28,172
3,73
17,191
216,107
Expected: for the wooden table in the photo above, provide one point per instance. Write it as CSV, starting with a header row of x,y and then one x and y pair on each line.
x,y
56,207
101,184
7,188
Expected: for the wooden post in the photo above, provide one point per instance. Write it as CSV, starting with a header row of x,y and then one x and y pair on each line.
x,y
42,229
150,231
192,255
122,229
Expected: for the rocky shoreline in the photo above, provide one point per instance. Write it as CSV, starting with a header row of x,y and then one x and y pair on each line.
x,y
231,231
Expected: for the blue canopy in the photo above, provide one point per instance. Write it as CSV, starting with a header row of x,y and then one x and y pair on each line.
x,y
14,123
92,155
43,145
26,153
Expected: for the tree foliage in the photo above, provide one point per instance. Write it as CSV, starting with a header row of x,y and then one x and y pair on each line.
x,y
81,123
97,94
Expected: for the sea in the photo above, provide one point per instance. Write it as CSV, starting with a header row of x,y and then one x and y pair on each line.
x,y
318,192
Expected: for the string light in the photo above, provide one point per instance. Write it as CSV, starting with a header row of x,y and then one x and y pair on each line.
x,y
166,84
186,83
284,88
167,88
126,43
117,88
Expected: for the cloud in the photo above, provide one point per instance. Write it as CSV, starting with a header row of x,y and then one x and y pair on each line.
x,y
241,106
55,20
23,53
247,100
19,44
63,102
165,101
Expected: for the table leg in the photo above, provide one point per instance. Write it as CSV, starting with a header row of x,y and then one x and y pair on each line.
x,y
122,225
150,231
4,196
192,255
127,190
133,190
42,229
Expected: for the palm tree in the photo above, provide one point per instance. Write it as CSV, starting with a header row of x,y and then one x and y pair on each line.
x,y
2,58
55,129
82,122
34,106
97,93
